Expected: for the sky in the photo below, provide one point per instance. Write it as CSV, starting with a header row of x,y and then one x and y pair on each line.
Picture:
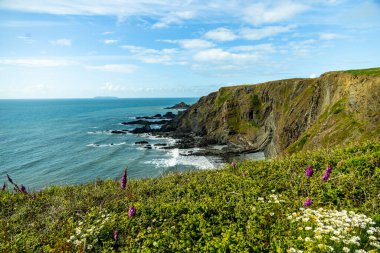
x,y
185,48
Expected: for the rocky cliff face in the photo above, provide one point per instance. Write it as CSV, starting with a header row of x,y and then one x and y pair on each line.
x,y
288,115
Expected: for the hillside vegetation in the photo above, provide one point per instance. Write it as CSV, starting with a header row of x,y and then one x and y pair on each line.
x,y
245,207
290,115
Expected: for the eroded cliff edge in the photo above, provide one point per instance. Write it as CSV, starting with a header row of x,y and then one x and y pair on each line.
x,y
288,115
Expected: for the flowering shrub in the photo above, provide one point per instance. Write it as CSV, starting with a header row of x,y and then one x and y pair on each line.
x,y
332,230
90,232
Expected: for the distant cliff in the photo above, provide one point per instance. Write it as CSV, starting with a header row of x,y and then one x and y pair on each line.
x,y
289,115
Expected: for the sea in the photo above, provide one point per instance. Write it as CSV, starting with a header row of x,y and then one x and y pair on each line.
x,y
68,141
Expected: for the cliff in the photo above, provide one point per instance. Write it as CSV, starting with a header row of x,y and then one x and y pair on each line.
x,y
289,115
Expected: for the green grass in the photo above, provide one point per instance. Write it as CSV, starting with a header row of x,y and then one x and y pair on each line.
x,y
366,72
248,208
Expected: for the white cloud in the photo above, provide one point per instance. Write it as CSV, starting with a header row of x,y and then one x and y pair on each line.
x,y
27,38
272,12
302,48
110,87
330,36
61,42
119,68
173,18
218,54
27,62
265,32
258,48
313,76
195,43
191,43
109,42
221,34
148,55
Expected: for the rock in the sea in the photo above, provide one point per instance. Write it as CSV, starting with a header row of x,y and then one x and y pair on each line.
x,y
142,130
157,116
160,144
169,115
119,131
181,105
141,142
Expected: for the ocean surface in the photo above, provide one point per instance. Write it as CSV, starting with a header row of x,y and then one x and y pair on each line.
x,y
67,141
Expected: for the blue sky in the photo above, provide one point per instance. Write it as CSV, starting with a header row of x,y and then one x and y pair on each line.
x,y
156,48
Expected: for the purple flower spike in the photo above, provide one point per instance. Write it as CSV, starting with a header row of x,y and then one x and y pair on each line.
x,y
131,211
9,179
124,179
233,164
23,189
308,202
115,235
326,176
309,171
329,169
4,186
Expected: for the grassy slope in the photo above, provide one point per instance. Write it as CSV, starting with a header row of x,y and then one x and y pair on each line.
x,y
198,211
365,72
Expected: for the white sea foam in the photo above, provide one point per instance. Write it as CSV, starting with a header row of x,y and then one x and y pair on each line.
x,y
176,159
94,145
99,132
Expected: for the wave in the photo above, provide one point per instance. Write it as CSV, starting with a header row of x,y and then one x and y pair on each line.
x,y
177,159
99,132
95,145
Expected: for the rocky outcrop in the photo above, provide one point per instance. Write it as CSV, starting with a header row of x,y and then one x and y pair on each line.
x,y
181,105
287,115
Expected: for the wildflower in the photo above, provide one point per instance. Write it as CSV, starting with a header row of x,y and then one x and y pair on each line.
x,y
308,202
10,179
329,169
132,211
124,179
4,186
115,235
326,176
23,189
309,171
244,174
345,249
233,164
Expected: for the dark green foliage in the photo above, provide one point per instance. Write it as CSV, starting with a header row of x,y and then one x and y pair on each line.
x,y
200,211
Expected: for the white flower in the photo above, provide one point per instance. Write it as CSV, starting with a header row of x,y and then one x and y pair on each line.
x,y
372,238
271,214
308,228
292,250
345,249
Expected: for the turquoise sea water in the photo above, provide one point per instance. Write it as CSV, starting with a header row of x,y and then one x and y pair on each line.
x,y
66,141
